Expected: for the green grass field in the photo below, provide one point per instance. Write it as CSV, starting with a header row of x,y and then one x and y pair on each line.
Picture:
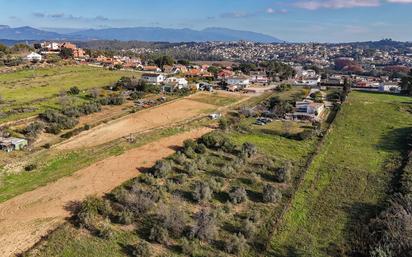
x,y
347,181
39,88
215,99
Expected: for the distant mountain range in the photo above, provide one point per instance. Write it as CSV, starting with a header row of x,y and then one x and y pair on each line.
x,y
152,34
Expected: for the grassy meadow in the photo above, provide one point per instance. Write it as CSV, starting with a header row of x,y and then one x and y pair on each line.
x,y
39,88
347,180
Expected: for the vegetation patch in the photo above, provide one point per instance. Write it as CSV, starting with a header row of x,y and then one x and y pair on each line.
x,y
347,181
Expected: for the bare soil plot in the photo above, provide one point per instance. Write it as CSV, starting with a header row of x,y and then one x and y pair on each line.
x,y
27,217
160,116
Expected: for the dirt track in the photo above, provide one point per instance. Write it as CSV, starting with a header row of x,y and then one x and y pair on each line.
x,y
27,217
163,115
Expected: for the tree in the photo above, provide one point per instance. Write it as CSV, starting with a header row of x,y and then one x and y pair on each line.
x,y
214,70
407,84
66,53
164,60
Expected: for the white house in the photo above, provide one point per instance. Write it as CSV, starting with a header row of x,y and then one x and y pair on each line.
x,y
389,87
34,57
153,78
240,81
258,77
179,82
309,107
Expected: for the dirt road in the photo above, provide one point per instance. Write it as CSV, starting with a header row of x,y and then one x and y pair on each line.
x,y
160,116
27,217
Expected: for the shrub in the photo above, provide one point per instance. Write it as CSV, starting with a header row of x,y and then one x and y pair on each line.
x,y
189,152
271,194
189,143
248,229
105,231
306,134
236,244
172,218
161,169
33,129
205,228
202,192
137,95
283,174
200,149
142,249
223,124
148,179
214,140
249,149
30,167
125,217
190,168
238,195
227,171
158,234
180,158
138,202
74,90
89,209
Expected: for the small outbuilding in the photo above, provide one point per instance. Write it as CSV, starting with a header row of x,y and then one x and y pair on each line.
x,y
12,144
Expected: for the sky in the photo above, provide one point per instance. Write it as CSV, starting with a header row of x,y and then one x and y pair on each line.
x,y
289,20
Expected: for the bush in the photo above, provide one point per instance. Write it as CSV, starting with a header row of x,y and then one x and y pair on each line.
x,y
30,167
189,152
305,135
205,228
33,129
74,90
138,201
248,229
283,174
89,209
189,143
161,169
105,231
214,140
249,149
202,192
125,217
142,249
238,195
271,194
200,149
190,169
172,218
227,171
158,234
236,244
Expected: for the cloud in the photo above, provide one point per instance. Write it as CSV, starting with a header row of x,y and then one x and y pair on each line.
x,y
39,15
236,14
400,1
337,4
69,17
56,15
273,11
